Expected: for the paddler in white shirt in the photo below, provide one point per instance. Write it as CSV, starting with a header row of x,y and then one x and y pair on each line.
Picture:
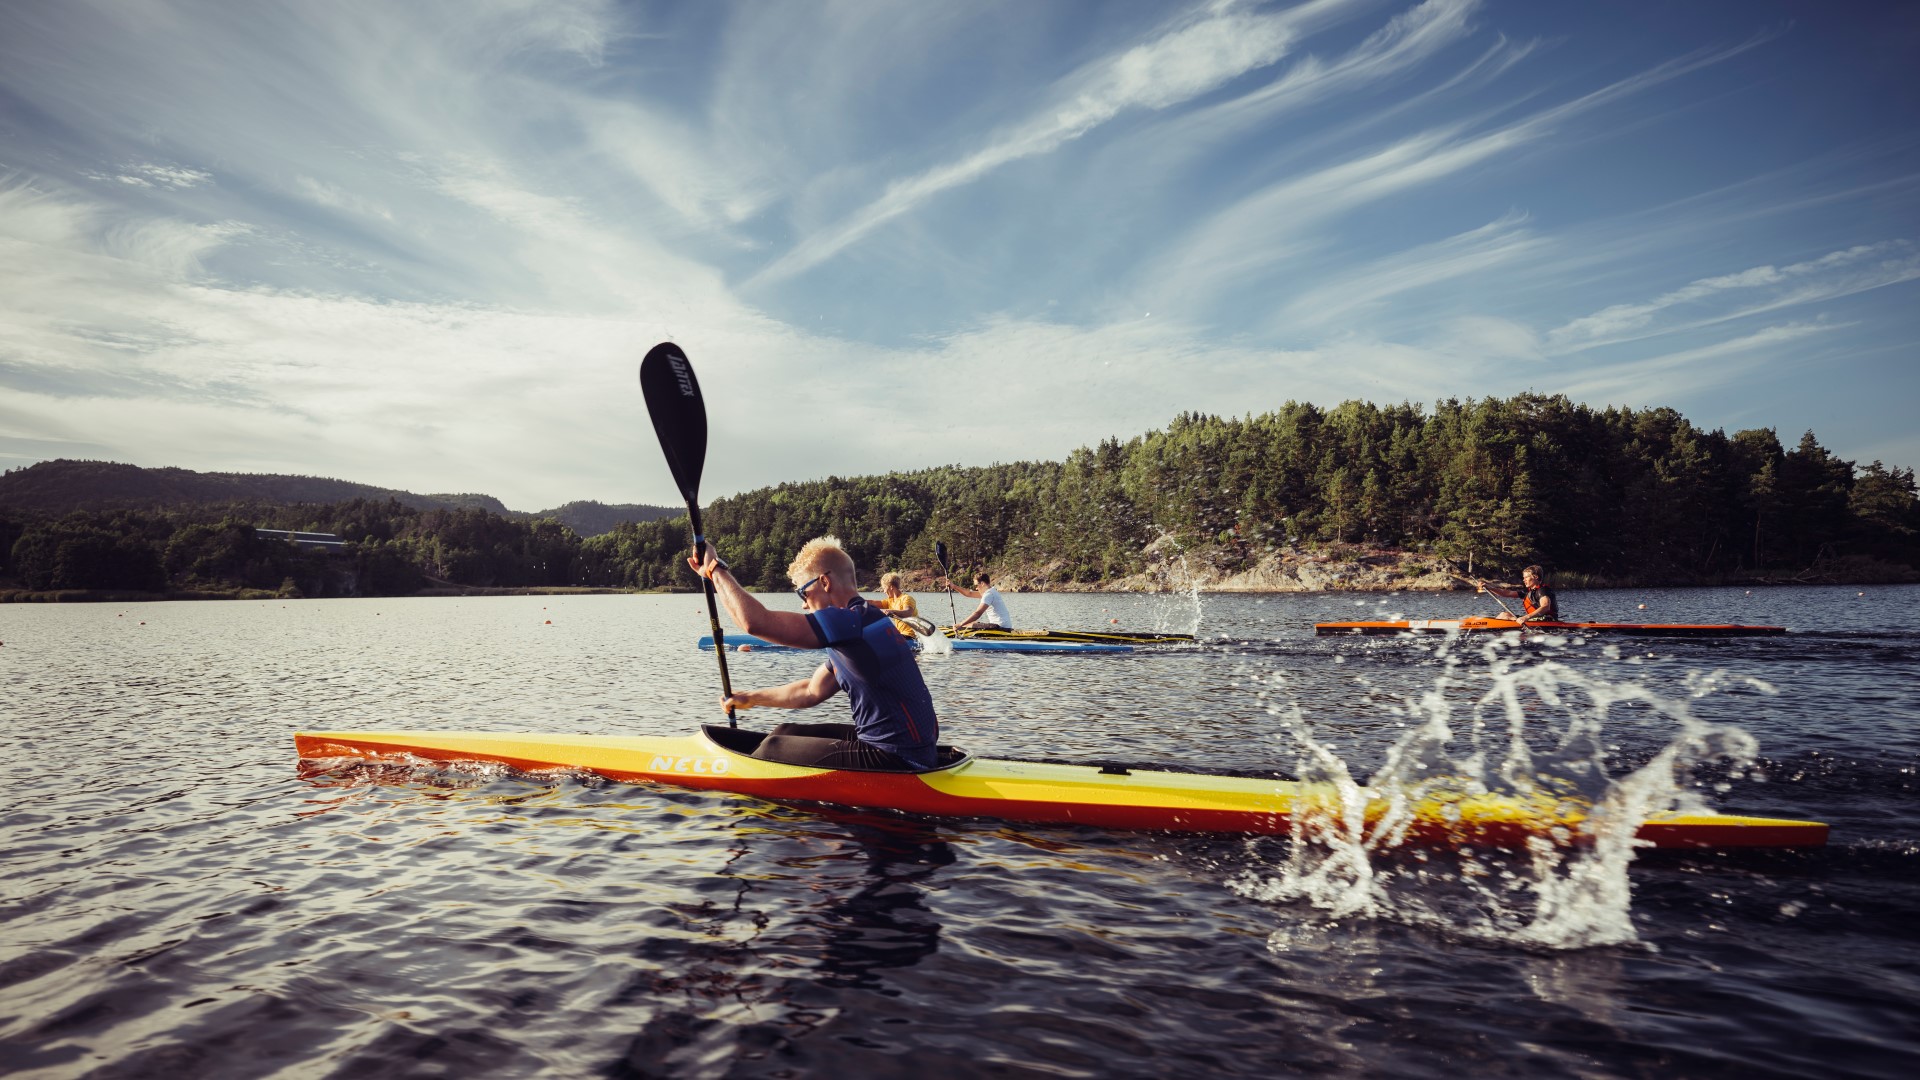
x,y
992,612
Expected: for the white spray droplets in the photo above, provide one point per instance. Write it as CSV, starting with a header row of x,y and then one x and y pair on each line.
x,y
1516,733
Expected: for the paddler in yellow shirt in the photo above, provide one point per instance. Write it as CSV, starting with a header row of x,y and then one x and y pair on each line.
x,y
902,607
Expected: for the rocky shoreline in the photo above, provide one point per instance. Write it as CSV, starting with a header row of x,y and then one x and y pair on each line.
x,y
1172,570
1352,568
1356,568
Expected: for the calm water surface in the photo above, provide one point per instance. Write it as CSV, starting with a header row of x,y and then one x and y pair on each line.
x,y
183,898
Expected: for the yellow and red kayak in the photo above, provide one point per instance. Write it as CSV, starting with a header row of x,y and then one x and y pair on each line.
x,y
1475,624
1110,796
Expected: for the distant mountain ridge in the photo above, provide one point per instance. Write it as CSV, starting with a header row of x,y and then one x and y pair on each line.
x,y
63,486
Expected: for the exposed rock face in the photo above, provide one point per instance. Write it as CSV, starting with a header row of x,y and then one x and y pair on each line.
x,y
1278,573
1381,571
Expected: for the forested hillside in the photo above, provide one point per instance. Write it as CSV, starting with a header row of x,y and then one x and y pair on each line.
x,y
61,487
1611,495
1619,494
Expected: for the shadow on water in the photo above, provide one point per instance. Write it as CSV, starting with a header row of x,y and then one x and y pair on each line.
x,y
865,875
883,923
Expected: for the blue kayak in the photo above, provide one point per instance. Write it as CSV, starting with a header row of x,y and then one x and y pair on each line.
x,y
735,641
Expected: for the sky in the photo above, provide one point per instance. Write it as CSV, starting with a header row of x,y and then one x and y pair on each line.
x,y
425,245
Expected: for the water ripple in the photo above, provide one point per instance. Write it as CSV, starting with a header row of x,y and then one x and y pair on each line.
x,y
182,899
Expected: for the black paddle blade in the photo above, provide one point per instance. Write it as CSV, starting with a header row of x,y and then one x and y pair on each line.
x,y
940,554
679,415
680,419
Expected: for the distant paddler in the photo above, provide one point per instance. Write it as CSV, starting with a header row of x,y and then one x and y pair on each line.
x,y
992,612
904,609
1536,596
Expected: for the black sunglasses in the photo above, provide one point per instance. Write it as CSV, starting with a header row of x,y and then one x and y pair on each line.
x,y
801,592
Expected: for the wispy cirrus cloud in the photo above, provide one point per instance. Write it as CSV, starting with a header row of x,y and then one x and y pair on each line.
x,y
1355,293
1198,54
1754,291
154,175
1654,379
1407,39
1248,237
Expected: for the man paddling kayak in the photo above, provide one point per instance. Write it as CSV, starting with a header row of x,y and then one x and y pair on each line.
x,y
992,612
894,726
1536,596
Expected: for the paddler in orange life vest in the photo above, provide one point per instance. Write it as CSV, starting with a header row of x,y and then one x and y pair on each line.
x,y
1536,596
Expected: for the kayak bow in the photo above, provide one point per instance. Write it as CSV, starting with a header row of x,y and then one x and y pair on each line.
x,y
1112,796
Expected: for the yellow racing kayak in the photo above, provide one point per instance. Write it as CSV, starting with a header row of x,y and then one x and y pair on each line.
x,y
1109,796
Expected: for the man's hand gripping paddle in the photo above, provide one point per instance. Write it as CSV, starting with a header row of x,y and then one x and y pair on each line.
x,y
1481,584
680,419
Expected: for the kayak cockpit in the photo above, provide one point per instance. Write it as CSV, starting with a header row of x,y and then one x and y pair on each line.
x,y
744,742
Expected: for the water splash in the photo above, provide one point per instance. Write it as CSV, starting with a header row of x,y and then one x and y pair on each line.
x,y
1175,586
1534,731
936,644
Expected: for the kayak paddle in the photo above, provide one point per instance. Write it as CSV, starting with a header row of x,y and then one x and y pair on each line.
x,y
1482,586
1497,600
940,556
680,420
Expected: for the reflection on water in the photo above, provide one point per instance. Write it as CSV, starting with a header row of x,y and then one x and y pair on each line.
x,y
177,886
882,922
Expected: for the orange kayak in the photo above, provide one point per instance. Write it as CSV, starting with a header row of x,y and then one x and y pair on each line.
x,y
1474,624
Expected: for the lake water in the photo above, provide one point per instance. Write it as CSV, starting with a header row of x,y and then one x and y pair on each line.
x,y
182,898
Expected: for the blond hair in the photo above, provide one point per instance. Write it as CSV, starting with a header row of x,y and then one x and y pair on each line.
x,y
821,555
890,579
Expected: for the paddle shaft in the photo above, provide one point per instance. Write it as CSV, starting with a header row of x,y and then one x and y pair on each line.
x,y
713,611
940,556
1482,585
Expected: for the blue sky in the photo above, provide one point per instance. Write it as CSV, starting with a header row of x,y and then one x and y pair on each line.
x,y
425,245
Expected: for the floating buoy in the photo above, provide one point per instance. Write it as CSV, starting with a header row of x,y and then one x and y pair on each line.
x,y
746,648
549,622
1643,607
1115,622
